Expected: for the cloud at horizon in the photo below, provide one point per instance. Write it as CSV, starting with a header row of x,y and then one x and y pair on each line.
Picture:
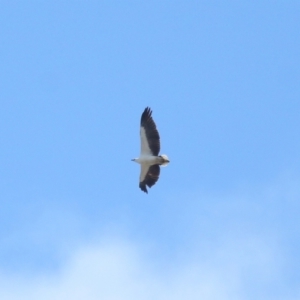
x,y
233,263
119,270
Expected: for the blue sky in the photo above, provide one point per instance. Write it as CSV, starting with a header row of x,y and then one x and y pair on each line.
x,y
223,80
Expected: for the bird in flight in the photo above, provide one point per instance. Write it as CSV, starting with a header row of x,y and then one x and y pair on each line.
x,y
149,159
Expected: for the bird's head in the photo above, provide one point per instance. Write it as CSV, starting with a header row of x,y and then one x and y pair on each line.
x,y
165,160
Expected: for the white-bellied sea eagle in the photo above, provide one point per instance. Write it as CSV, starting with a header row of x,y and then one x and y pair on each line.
x,y
149,159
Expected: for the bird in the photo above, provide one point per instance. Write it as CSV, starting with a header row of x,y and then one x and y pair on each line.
x,y
149,159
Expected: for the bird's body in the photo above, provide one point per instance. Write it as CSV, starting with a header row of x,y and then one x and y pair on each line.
x,y
149,159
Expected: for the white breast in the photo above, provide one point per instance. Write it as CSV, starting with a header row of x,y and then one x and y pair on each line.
x,y
147,159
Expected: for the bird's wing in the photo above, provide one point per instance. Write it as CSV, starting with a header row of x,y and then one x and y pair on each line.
x,y
149,176
150,143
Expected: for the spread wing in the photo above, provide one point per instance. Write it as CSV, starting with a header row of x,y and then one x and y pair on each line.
x,y
150,143
149,176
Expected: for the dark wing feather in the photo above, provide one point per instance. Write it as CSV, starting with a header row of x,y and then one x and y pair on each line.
x,y
150,178
151,132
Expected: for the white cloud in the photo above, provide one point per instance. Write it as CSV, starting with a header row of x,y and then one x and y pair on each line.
x,y
120,270
242,257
